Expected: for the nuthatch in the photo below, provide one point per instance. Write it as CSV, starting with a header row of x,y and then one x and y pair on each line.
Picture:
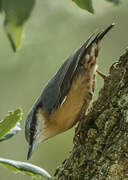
x,y
65,95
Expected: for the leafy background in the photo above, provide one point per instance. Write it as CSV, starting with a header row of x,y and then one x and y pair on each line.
x,y
53,31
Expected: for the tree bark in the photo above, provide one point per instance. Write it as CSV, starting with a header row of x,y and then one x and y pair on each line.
x,y
100,151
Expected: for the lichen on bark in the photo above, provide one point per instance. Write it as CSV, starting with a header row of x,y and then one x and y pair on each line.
x,y
100,151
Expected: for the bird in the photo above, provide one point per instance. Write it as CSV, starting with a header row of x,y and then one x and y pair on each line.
x,y
66,95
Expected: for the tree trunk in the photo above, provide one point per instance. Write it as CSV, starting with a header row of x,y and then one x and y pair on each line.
x,y
100,151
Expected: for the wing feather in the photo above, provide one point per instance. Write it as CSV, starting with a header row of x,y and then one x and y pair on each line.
x,y
58,87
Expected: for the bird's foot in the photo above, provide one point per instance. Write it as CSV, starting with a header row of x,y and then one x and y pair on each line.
x,y
110,70
112,66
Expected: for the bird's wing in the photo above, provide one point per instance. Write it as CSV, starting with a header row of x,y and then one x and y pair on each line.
x,y
58,87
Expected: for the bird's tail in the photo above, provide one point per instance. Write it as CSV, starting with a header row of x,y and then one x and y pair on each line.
x,y
102,34
87,47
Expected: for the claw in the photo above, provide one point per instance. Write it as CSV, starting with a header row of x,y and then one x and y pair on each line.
x,y
112,66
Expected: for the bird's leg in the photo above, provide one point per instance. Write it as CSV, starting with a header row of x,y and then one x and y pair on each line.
x,y
101,74
110,70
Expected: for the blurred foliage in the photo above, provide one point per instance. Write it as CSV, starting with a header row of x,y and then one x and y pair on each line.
x,y
11,133
0,5
17,13
88,5
116,2
25,168
85,4
53,31
10,121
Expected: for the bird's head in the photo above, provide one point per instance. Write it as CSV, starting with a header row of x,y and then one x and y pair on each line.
x,y
34,128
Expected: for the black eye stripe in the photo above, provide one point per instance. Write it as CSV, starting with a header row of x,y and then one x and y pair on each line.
x,y
33,128
33,124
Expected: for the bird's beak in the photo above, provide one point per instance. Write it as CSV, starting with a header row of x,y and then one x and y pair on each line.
x,y
30,150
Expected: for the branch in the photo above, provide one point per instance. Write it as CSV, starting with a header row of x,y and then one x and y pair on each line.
x,y
101,149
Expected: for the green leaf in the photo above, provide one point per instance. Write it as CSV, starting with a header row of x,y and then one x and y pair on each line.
x,y
17,13
14,33
10,121
116,2
25,168
85,4
12,132
0,6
